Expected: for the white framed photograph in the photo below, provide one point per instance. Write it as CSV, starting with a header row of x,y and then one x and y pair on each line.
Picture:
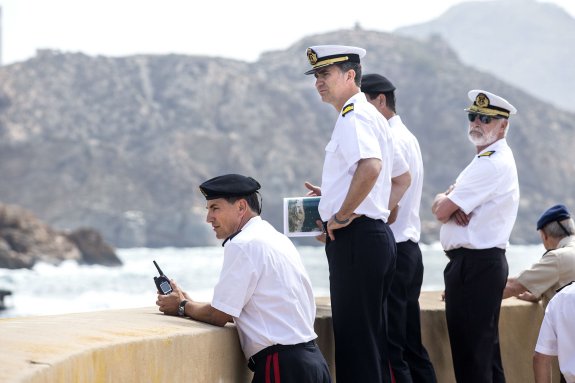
x,y
300,217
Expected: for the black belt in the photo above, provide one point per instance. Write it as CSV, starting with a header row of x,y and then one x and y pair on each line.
x,y
275,348
462,251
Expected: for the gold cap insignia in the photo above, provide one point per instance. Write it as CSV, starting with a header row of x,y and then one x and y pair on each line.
x,y
482,100
311,56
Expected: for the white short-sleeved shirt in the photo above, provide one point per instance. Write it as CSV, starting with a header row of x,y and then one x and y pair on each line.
x,y
557,333
360,132
407,225
488,188
265,287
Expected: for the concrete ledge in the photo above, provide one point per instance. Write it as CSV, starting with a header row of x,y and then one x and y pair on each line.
x,y
135,345
142,345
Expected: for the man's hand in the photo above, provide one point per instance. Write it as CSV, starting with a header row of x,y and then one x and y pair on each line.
x,y
446,210
527,296
332,225
169,304
314,191
461,218
323,234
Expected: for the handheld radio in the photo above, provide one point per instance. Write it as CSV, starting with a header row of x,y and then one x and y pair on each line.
x,y
162,282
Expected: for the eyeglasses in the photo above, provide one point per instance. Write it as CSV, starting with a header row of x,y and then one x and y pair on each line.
x,y
483,118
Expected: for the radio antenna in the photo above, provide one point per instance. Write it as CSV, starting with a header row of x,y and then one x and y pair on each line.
x,y
158,267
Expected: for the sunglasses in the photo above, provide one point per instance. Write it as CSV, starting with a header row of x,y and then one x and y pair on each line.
x,y
483,118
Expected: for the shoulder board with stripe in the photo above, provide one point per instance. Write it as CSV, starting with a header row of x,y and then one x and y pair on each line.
x,y
346,109
486,154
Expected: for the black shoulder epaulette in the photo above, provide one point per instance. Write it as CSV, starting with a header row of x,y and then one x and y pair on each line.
x,y
562,287
346,109
486,154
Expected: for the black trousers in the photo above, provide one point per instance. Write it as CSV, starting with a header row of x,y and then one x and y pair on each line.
x,y
474,283
408,357
361,265
301,363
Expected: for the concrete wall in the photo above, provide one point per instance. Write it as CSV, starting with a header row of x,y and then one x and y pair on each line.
x,y
142,345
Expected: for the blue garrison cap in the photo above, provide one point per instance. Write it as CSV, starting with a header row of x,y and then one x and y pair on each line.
x,y
555,213
229,185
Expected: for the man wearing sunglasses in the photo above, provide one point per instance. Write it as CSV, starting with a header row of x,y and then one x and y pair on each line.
x,y
478,213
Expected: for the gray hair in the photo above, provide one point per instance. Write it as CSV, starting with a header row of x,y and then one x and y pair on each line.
x,y
560,229
506,129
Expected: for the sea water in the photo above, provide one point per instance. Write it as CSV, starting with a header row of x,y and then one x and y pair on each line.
x,y
47,289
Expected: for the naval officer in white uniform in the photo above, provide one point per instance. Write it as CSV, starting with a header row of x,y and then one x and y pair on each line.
x,y
478,213
355,191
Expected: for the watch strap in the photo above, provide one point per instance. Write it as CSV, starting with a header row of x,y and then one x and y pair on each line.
x,y
182,308
340,222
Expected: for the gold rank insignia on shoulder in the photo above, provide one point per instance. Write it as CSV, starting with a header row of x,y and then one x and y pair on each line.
x,y
346,109
486,154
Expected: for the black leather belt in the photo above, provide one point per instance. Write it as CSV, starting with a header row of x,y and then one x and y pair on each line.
x,y
254,359
461,251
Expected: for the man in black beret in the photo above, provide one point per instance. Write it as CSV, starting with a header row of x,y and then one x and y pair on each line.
x,y
408,357
556,267
263,288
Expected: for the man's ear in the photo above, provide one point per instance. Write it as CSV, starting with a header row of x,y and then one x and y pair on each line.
x,y
242,205
351,75
382,100
504,125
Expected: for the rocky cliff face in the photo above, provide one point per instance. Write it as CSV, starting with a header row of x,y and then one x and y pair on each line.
x,y
121,144
25,240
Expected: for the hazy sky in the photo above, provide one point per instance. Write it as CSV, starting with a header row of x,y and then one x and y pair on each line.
x,y
227,28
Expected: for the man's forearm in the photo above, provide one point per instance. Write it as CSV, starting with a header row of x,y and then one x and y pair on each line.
x,y
363,180
204,312
399,186
542,368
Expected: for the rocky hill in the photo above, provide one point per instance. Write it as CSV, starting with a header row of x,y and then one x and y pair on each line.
x,y
121,144
526,43
25,240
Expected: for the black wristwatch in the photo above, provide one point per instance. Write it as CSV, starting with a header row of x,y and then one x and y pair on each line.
x,y
182,308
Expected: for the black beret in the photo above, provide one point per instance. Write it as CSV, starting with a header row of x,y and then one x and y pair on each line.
x,y
553,214
229,185
376,83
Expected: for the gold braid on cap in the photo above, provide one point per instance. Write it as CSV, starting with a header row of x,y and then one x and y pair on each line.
x,y
482,105
328,60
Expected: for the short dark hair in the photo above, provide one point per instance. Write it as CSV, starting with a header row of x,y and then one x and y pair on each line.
x,y
252,200
389,99
348,65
